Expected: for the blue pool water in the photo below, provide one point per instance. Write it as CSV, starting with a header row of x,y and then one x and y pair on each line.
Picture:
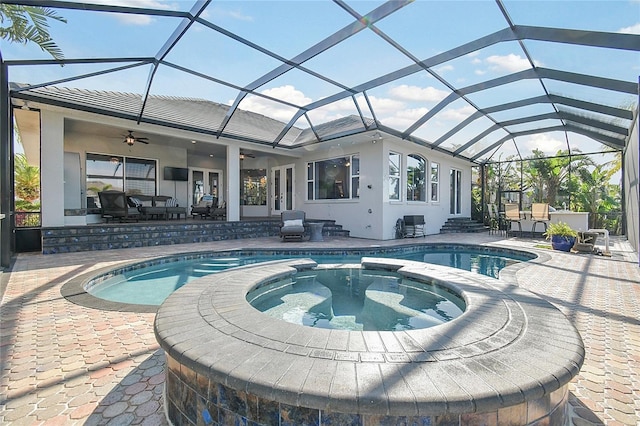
x,y
357,299
151,285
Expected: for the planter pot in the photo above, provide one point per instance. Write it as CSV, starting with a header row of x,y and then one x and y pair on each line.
x,y
559,242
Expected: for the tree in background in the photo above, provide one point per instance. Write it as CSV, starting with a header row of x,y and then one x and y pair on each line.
x,y
598,196
547,177
27,181
23,24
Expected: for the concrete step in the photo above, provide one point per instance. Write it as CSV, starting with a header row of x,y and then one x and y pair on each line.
x,y
462,225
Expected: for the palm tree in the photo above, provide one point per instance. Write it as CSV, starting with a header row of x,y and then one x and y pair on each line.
x,y
22,24
27,183
552,173
596,194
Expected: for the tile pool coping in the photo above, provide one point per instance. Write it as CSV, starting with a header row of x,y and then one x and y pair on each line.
x,y
75,290
509,348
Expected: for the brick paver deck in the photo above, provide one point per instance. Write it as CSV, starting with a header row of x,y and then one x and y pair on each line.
x,y
63,363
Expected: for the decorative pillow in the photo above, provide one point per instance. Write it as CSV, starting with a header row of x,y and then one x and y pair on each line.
x,y
171,202
135,201
293,222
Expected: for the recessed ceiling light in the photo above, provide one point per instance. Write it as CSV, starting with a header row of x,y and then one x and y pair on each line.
x,y
193,141
210,155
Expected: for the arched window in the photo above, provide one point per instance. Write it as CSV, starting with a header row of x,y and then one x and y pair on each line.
x,y
416,178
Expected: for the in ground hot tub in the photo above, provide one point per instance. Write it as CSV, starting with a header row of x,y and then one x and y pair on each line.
x,y
507,359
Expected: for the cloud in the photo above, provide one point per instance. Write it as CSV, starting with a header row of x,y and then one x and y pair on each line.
x,y
633,29
273,109
237,15
545,143
415,93
444,69
133,19
402,119
510,62
385,106
457,114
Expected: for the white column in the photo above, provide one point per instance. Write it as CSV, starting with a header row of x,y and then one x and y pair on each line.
x,y
233,183
52,170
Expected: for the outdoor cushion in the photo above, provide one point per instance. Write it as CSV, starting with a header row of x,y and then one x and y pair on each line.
x,y
293,222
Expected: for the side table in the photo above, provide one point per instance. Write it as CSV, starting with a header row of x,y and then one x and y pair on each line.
x,y
316,231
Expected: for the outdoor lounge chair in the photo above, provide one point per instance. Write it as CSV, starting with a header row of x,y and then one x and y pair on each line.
x,y
292,225
114,205
203,206
147,206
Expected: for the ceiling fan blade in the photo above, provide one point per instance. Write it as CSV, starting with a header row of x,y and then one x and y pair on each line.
x,y
142,141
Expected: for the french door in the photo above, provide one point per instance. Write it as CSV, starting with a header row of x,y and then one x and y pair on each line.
x,y
455,193
282,184
205,181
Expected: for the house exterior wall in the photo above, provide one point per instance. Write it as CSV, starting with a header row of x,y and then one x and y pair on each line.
x,y
632,187
373,215
51,174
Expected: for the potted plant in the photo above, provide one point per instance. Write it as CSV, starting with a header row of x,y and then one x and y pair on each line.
x,y
562,236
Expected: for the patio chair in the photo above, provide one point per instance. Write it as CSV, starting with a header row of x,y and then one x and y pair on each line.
x,y
219,212
495,219
114,205
539,214
203,206
292,224
512,215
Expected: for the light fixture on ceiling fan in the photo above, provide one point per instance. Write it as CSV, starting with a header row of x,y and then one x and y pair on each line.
x,y
130,139
243,155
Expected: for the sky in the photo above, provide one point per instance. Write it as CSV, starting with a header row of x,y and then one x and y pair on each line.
x,y
288,29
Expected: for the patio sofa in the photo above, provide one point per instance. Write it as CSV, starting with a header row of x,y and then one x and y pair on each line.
x,y
157,206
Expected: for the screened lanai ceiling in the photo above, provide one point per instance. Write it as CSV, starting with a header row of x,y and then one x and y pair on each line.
x,y
483,80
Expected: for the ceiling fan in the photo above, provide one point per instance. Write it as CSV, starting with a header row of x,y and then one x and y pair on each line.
x,y
130,139
244,155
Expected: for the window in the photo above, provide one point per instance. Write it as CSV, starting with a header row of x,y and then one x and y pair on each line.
x,y
455,196
435,182
333,179
254,187
416,178
139,176
132,175
394,176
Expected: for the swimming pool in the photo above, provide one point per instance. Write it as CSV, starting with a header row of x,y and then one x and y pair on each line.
x,y
150,283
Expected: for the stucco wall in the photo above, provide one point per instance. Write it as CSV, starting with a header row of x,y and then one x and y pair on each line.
x,y
632,187
372,215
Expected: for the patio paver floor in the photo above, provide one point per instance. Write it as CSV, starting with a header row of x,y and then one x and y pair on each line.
x,y
63,363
